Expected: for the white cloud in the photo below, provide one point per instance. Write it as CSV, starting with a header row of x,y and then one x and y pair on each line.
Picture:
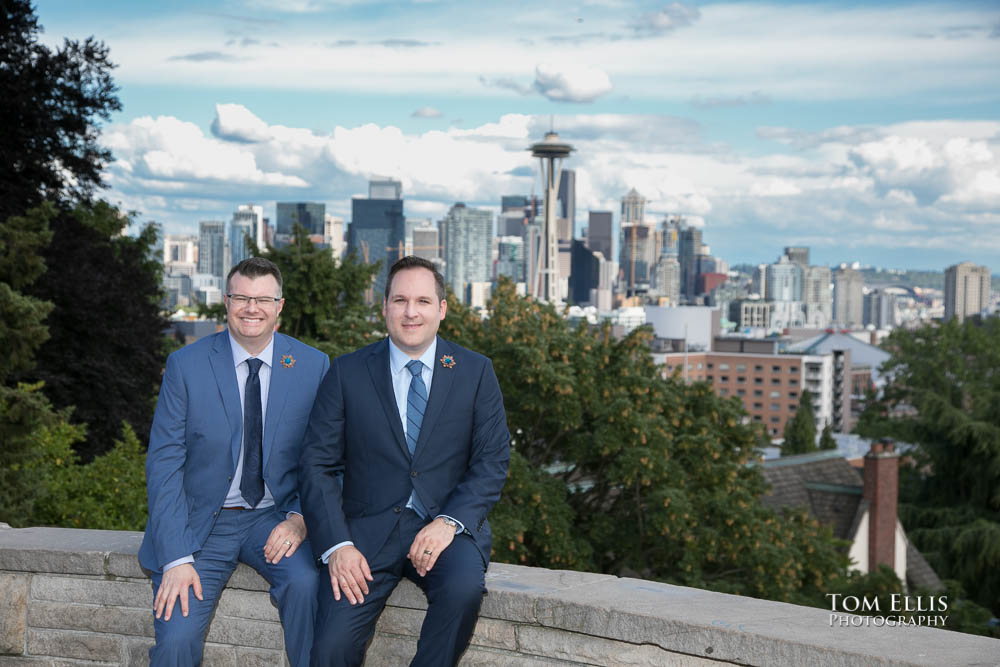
x,y
571,83
426,112
234,122
667,19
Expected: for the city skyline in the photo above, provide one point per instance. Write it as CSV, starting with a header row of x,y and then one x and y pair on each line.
x,y
868,133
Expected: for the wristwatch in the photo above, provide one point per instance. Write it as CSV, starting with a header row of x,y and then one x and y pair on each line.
x,y
450,522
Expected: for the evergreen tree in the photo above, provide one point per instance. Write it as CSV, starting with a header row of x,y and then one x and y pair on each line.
x,y
800,430
943,396
826,440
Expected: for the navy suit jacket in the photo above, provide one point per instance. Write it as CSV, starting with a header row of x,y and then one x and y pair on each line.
x,y
458,468
194,443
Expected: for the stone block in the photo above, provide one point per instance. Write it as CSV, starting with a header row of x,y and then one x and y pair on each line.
x,y
254,605
244,632
13,611
124,565
138,595
219,655
495,634
477,656
248,657
388,650
78,645
407,594
113,620
533,640
24,661
247,578
137,652
400,621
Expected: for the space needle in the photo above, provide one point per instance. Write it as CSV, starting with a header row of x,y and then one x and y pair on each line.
x,y
545,282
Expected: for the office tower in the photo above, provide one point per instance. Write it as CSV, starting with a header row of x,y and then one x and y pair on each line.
x,y
966,290
758,283
384,188
879,309
797,255
425,241
467,235
180,249
551,152
638,243
585,272
670,234
600,232
784,281
333,235
212,247
240,240
510,258
310,215
377,229
254,215
816,297
688,249
567,204
667,279
847,297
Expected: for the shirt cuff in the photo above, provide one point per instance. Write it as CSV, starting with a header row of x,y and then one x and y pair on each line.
x,y
179,561
329,552
461,526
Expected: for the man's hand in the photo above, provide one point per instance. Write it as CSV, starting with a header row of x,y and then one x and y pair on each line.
x,y
173,585
428,545
348,574
285,538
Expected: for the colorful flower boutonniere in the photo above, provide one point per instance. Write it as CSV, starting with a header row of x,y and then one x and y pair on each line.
x,y
448,361
287,361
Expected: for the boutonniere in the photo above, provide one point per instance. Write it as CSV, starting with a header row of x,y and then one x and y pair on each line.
x,y
287,361
448,361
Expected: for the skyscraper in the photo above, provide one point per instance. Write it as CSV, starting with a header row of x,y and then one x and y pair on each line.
x,y
600,232
638,243
254,215
880,309
566,210
310,215
384,188
797,255
667,279
377,229
848,286
467,235
784,281
510,258
241,231
816,297
212,247
966,290
688,250
425,241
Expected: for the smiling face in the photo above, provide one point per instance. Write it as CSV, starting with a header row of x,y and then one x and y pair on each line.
x,y
252,324
413,311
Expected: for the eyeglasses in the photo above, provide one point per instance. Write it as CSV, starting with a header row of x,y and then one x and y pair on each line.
x,y
263,301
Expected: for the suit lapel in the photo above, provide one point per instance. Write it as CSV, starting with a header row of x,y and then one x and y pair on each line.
x,y
440,389
277,392
378,368
225,377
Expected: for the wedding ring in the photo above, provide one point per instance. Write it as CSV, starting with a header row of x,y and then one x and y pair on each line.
x,y
288,542
426,552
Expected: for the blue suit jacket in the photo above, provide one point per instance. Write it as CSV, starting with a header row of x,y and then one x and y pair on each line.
x,y
194,443
458,468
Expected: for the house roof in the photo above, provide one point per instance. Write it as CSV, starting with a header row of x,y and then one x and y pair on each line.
x,y
862,353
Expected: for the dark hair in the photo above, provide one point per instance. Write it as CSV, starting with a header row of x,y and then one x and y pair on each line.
x,y
256,267
414,262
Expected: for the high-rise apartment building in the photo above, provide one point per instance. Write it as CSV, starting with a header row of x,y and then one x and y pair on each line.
x,y
310,215
848,305
784,281
467,235
333,235
816,296
879,309
212,247
966,290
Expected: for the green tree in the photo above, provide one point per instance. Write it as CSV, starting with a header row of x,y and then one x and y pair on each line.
x,y
104,355
53,101
800,430
943,396
826,440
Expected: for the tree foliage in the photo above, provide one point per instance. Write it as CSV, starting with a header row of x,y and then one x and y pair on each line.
x,y
800,430
943,396
826,439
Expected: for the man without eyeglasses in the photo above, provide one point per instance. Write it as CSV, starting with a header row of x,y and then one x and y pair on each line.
x,y
417,425
221,472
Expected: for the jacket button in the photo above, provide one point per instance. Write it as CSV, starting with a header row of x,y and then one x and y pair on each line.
x,y
413,473
397,509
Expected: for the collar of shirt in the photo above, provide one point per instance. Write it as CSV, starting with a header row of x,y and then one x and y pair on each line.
x,y
240,355
398,359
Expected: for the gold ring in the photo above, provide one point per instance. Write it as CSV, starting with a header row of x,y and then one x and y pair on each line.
x,y
427,553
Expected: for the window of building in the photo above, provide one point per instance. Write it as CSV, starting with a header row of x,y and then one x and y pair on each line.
x,y
758,406
775,369
699,365
775,406
757,418
741,392
775,380
758,380
758,368
723,367
775,419
793,394
723,392
793,369
741,368
711,365
758,392
775,394
710,378
740,379
793,380
723,378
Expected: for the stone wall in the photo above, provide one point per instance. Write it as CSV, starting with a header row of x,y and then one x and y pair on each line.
x,y
68,596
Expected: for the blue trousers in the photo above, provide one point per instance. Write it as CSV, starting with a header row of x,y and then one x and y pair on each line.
x,y
454,589
239,536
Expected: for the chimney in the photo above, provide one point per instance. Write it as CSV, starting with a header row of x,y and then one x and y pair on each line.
x,y
873,337
881,490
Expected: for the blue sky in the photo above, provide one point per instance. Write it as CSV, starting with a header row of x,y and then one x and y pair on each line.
x,y
867,131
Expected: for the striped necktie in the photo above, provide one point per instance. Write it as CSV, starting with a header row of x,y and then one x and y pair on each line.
x,y
416,404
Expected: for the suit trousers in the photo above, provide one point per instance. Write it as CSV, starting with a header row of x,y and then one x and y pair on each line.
x,y
454,587
239,536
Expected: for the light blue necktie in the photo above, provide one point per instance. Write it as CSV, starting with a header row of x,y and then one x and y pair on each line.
x,y
416,404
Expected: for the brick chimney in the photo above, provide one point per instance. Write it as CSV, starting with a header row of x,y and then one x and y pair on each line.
x,y
881,490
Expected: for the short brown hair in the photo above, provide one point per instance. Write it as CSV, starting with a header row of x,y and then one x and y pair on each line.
x,y
256,267
414,262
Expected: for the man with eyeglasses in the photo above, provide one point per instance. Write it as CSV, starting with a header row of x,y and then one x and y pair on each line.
x,y
221,472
